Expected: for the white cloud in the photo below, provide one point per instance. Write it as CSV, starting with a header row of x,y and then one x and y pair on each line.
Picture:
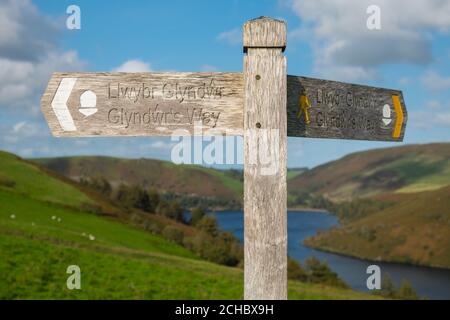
x,y
161,145
22,131
232,37
435,82
340,39
433,105
208,68
23,82
25,33
28,55
435,114
19,126
403,81
427,120
133,66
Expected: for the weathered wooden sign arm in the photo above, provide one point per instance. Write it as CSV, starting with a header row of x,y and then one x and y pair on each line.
x,y
330,109
263,104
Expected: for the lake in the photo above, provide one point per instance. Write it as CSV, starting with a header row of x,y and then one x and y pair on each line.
x,y
429,282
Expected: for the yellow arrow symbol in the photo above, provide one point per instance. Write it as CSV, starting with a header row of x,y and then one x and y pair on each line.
x,y
398,116
304,105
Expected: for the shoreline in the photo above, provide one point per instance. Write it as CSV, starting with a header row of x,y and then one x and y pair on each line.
x,y
313,210
309,210
372,260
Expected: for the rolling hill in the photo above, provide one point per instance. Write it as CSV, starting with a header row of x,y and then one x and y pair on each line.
x,y
415,229
45,226
162,175
405,169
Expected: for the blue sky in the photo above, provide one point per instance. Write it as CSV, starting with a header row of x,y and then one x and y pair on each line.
x,y
327,39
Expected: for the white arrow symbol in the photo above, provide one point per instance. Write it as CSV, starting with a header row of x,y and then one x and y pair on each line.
x,y
59,104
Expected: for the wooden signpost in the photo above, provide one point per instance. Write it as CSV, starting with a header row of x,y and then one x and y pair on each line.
x,y
263,104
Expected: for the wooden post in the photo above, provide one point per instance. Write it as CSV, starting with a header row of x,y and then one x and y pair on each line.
x,y
265,192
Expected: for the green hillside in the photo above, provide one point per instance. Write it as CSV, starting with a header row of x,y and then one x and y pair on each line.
x,y
27,179
44,229
405,169
162,175
414,229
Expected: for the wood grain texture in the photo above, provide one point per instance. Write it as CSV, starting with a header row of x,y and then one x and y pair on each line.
x,y
264,32
156,104
265,195
342,110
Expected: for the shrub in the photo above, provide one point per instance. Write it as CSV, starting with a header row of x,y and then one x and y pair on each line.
x,y
223,249
406,292
7,182
171,210
320,272
295,271
153,227
208,224
388,290
173,234
196,215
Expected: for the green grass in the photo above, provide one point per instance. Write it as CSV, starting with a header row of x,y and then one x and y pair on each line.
x,y
43,231
37,270
33,217
294,172
121,263
29,180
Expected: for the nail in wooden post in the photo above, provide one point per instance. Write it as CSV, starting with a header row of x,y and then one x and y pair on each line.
x,y
265,194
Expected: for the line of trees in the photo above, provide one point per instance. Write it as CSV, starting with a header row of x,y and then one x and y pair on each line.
x,y
209,242
314,271
404,292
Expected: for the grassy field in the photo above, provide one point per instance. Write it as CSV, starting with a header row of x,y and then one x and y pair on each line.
x,y
26,179
40,236
120,263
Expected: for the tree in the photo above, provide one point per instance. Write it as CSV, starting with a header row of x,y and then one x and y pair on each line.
x,y
196,215
208,224
140,199
387,287
406,291
98,184
154,198
173,234
134,197
295,271
320,272
171,210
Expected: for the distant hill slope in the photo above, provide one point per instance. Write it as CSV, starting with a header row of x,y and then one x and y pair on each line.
x,y
162,175
44,229
416,229
30,180
404,169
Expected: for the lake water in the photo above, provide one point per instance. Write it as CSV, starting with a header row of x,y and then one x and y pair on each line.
x,y
429,282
